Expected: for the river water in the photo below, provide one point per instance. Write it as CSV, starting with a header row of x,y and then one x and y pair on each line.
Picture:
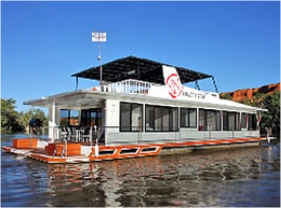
x,y
248,177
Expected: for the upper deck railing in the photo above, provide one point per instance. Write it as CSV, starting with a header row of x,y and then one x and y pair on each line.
x,y
132,86
129,86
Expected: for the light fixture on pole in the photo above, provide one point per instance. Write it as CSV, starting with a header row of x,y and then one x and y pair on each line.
x,y
99,37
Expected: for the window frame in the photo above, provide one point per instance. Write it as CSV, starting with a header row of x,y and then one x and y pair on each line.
x,y
68,117
244,120
203,116
157,117
188,114
252,122
131,127
237,122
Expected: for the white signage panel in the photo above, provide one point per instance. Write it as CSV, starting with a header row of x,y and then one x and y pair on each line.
x,y
98,37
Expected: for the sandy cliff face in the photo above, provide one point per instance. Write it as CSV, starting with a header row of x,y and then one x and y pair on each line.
x,y
240,95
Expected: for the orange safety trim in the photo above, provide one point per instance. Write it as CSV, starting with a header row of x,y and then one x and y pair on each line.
x,y
122,151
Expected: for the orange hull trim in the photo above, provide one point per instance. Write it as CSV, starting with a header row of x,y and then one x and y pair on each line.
x,y
123,151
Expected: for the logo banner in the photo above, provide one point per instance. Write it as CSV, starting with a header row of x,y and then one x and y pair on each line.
x,y
172,81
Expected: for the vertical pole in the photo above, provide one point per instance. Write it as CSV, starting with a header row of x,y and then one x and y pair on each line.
x,y
53,121
197,85
99,58
99,37
76,83
29,136
138,70
214,83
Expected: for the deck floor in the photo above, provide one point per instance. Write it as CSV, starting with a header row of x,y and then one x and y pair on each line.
x,y
127,151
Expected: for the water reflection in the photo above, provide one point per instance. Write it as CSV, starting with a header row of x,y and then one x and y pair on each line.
x,y
231,177
198,179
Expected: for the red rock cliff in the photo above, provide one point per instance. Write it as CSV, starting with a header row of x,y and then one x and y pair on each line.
x,y
244,94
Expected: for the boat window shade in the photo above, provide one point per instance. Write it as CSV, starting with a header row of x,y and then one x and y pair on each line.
x,y
244,120
188,117
231,121
131,117
161,119
252,122
209,120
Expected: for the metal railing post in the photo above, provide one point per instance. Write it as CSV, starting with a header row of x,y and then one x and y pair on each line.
x,y
65,143
91,136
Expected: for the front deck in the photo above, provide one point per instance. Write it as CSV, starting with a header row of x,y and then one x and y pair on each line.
x,y
81,153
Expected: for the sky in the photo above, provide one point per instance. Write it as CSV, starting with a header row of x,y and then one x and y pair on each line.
x,y
44,43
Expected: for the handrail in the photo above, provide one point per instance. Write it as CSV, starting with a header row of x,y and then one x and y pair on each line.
x,y
104,134
129,86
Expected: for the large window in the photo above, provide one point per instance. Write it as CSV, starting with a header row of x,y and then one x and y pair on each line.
x,y
158,118
243,120
69,117
91,117
188,117
131,117
231,121
252,122
209,120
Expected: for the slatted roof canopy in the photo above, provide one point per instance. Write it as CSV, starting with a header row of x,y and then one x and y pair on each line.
x,y
132,67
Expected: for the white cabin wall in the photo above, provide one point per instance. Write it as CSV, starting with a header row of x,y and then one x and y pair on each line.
x,y
113,136
112,115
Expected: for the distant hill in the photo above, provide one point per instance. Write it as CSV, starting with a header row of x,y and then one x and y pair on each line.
x,y
248,94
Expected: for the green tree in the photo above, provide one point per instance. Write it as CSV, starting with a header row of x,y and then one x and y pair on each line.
x,y
226,96
39,114
9,115
12,121
247,101
272,117
25,117
258,99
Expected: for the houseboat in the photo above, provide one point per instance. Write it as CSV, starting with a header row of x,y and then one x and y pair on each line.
x,y
140,108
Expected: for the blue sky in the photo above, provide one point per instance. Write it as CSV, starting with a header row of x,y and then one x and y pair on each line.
x,y
44,43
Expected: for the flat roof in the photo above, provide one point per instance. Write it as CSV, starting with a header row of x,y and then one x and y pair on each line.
x,y
132,67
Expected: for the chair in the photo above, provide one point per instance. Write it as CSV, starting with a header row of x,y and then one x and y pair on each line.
x,y
63,133
71,133
86,134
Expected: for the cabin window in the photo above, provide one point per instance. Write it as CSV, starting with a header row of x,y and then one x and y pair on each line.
x,y
209,120
131,117
231,121
243,120
69,117
252,122
161,119
188,117
91,117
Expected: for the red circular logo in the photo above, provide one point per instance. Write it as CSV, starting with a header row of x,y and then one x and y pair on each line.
x,y
174,84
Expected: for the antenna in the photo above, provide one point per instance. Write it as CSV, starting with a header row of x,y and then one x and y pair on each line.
x,y
99,37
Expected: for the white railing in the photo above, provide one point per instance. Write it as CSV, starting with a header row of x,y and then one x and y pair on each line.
x,y
132,86
129,86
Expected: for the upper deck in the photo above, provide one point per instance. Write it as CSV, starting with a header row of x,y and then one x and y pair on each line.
x,y
142,80
131,86
141,69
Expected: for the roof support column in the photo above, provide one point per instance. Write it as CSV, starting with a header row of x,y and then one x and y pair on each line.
x,y
138,70
197,85
214,83
53,130
76,83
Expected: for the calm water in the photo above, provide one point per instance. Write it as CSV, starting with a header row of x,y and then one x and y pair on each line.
x,y
232,177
